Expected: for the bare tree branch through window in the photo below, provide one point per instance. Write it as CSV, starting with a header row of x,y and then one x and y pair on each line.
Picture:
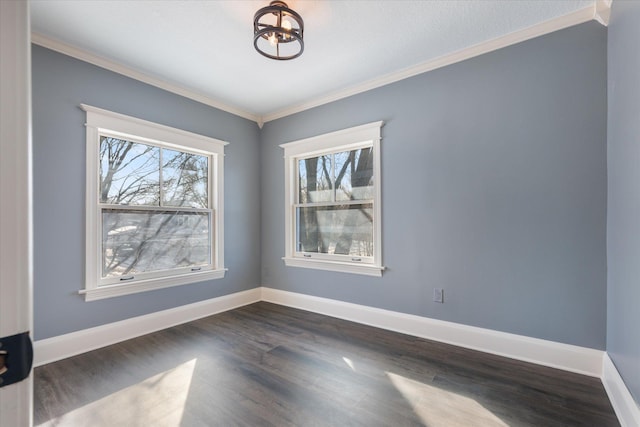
x,y
136,239
326,224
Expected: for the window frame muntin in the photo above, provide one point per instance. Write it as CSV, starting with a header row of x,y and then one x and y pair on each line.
x,y
160,208
364,136
103,122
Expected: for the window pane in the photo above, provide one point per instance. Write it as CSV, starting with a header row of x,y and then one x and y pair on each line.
x,y
184,179
354,174
345,230
137,242
314,180
129,172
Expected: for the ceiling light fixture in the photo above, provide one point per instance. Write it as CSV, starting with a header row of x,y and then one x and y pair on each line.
x,y
278,31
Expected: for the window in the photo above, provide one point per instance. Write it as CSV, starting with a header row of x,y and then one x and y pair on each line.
x,y
154,206
332,198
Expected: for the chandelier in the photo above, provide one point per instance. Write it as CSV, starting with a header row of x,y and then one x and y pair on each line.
x,y
278,31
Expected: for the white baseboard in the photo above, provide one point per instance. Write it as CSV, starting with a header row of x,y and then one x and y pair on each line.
x,y
567,357
63,346
626,408
548,353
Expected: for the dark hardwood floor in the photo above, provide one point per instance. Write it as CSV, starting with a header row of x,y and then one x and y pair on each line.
x,y
268,365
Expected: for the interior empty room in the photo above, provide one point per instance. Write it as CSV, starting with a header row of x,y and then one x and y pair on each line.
x,y
322,213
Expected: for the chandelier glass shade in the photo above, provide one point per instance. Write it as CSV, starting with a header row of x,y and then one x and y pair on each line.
x,y
278,31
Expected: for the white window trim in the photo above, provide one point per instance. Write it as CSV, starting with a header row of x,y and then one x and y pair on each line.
x,y
104,121
346,139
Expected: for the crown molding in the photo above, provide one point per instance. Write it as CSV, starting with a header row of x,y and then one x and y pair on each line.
x,y
119,68
602,11
578,17
599,11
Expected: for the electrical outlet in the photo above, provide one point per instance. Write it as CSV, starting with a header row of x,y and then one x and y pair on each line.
x,y
438,295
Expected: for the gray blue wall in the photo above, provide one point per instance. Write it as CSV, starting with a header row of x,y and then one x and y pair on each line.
x,y
493,180
60,85
493,185
623,216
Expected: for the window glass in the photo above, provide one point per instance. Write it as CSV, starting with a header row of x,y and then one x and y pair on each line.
x,y
315,179
339,229
184,179
354,174
129,172
335,228
136,242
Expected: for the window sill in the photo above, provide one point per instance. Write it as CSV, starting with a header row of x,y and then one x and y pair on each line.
x,y
343,267
110,291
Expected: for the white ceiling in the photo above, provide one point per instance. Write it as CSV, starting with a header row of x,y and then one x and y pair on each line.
x,y
205,48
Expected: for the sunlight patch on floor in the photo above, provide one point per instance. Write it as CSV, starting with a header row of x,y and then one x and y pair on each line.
x,y
437,407
349,363
157,401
